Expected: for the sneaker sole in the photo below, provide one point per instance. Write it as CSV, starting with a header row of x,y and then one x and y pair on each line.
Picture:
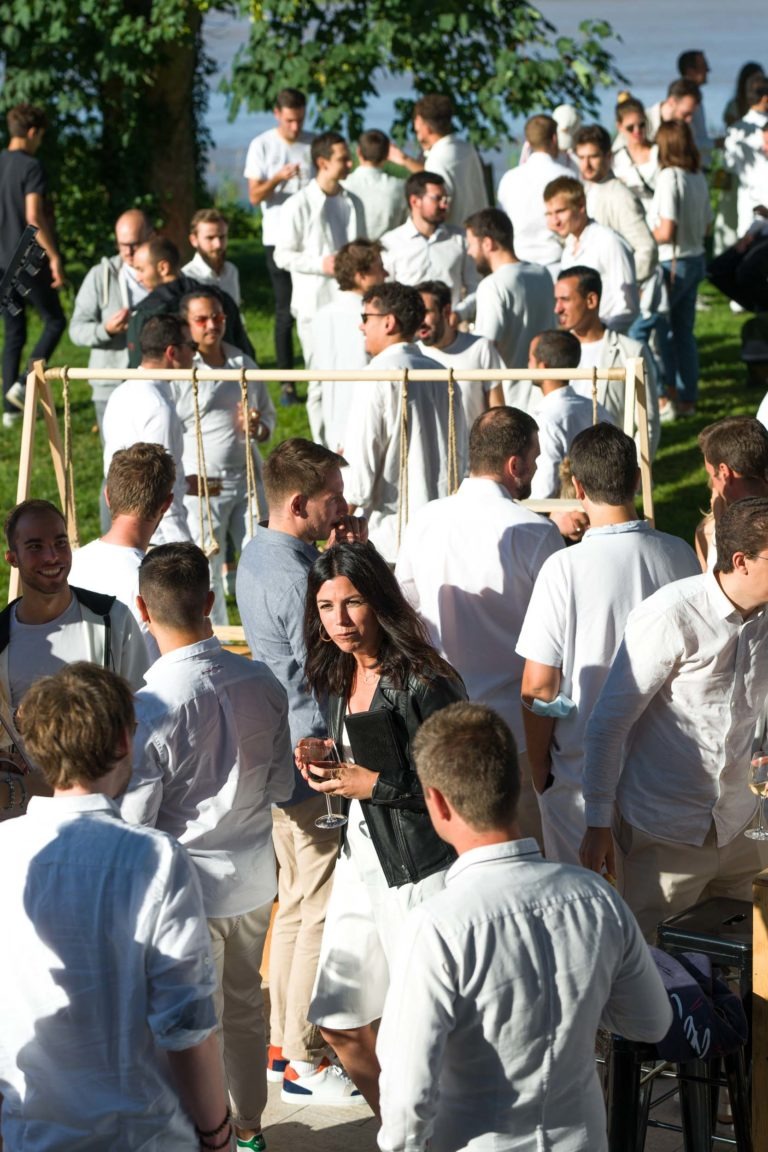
x,y
12,397
275,1075
304,1096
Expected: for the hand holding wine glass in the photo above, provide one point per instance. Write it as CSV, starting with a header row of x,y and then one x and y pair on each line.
x,y
322,755
758,783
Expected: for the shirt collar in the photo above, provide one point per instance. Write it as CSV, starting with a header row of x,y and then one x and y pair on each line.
x,y
722,606
54,807
616,529
523,850
277,539
202,647
485,485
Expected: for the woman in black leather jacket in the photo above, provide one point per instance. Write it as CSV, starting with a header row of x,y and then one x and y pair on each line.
x,y
367,650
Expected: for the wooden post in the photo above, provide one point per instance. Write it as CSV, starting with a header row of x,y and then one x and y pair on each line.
x,y
39,389
760,1012
636,387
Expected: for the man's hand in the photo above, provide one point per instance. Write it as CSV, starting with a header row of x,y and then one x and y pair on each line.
x,y
329,263
287,172
118,321
57,271
349,529
572,525
598,853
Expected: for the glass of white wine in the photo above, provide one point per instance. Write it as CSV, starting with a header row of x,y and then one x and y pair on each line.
x,y
322,753
758,783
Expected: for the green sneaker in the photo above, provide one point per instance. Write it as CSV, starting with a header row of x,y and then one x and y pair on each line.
x,y
256,1143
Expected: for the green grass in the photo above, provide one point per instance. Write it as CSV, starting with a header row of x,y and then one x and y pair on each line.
x,y
680,483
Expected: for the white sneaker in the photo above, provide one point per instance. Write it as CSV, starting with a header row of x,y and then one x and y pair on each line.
x,y
16,395
328,1085
10,419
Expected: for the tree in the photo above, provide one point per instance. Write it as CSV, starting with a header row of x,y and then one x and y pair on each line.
x,y
496,58
124,81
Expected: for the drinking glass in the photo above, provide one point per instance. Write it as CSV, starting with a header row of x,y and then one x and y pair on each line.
x,y
758,783
324,754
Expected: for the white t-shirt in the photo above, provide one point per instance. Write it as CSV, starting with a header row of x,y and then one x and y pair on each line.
x,y
468,351
591,357
383,198
683,197
267,154
561,416
337,342
37,650
112,569
605,251
514,304
521,196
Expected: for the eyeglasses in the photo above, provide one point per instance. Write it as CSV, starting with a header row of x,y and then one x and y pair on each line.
x,y
365,316
638,127
437,199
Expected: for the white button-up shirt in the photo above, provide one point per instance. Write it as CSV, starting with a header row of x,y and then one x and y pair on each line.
x,y
605,251
337,342
372,444
501,980
211,754
671,734
411,258
458,162
106,959
521,195
561,415
468,564
228,280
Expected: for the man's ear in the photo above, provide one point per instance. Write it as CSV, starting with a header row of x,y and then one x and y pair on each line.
x,y
579,488
10,558
209,602
142,607
298,505
441,806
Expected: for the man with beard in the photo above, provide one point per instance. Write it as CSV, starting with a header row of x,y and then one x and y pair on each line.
x,y
514,301
468,564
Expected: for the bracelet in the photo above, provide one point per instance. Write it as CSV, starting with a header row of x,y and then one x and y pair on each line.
x,y
215,1131
10,781
224,1144
22,789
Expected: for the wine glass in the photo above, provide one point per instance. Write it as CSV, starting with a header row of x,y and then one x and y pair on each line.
x,y
758,783
324,754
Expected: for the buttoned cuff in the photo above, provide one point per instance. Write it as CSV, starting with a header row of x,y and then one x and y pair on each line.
x,y
598,815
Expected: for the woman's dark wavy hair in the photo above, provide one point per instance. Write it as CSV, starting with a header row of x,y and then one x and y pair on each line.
x,y
405,647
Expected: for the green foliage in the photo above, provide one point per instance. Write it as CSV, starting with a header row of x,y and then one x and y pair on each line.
x,y
93,64
496,58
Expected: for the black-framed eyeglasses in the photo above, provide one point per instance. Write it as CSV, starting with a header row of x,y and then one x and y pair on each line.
x,y
365,316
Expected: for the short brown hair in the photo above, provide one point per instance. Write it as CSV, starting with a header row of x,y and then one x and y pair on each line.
x,y
556,348
354,258
207,216
740,442
163,248
593,134
495,436
468,753
374,146
73,723
742,527
139,481
567,186
436,111
298,465
19,510
174,580
539,131
23,117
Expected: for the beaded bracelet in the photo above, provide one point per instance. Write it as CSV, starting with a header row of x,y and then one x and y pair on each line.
x,y
215,1147
215,1131
11,782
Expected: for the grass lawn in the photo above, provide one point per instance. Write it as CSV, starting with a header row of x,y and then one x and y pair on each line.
x,y
679,477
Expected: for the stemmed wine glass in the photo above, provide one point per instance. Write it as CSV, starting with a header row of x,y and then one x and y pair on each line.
x,y
323,753
758,783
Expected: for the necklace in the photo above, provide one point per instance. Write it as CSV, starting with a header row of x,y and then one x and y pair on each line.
x,y
371,675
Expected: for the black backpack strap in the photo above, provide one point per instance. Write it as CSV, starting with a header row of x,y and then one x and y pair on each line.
x,y
100,605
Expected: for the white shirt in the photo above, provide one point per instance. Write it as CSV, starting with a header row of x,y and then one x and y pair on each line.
x,y
683,197
372,445
267,154
337,342
106,959
571,626
382,196
521,195
641,178
743,155
228,280
211,753
605,251
460,166
468,351
512,305
411,258
221,419
671,734
613,350
112,569
467,565
142,411
561,415
305,237
501,981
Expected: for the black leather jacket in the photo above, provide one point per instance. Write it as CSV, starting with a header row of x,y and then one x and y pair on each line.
x,y
406,844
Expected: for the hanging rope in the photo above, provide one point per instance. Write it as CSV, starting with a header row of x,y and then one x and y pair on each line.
x,y
402,497
594,395
251,483
453,457
203,495
69,470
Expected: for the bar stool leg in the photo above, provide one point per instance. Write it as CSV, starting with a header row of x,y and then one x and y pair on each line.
x,y
695,1107
735,1072
623,1107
